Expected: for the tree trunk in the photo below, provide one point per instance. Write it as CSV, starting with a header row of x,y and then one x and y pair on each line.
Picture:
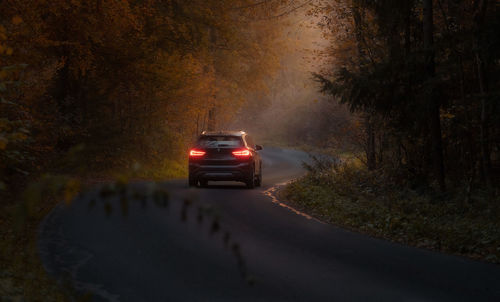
x,y
358,29
371,160
370,148
479,15
431,99
212,121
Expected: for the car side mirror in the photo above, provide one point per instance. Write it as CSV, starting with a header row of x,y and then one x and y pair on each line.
x,y
258,147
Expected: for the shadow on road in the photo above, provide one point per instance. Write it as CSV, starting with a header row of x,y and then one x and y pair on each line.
x,y
224,185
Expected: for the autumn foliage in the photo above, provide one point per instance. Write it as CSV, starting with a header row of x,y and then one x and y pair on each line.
x,y
124,79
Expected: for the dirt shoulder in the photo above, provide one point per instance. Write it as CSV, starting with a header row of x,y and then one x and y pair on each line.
x,y
361,201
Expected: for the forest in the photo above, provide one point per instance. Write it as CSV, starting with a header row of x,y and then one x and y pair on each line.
x,y
92,91
422,81
405,94
424,77
124,79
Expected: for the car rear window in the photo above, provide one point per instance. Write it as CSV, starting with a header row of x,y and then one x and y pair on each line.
x,y
220,141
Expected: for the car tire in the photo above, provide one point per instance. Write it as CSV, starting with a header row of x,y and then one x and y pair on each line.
x,y
192,181
251,180
203,183
258,181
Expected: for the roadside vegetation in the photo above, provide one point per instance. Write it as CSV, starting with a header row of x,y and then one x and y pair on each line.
x,y
385,205
94,90
22,276
421,79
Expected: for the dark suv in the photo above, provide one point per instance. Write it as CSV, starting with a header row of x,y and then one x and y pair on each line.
x,y
225,155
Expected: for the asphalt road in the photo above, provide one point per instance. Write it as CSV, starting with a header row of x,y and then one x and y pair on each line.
x,y
149,253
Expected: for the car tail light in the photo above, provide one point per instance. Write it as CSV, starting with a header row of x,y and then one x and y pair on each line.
x,y
196,153
242,153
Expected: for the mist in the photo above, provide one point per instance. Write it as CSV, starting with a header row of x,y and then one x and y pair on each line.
x,y
293,111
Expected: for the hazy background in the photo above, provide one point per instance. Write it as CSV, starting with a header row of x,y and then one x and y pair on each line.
x,y
294,112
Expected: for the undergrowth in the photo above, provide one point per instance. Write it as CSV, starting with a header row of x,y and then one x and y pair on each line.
x,y
383,205
22,275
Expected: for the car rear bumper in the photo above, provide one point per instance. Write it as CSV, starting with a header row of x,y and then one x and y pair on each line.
x,y
238,172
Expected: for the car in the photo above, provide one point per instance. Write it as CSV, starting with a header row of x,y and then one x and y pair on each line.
x,y
225,156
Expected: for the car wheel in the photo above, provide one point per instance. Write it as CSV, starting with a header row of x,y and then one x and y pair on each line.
x,y
192,181
258,180
251,180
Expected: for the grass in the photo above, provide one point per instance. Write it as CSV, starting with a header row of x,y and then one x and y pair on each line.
x,y
22,276
370,202
166,169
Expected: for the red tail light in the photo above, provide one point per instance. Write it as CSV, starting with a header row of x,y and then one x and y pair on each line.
x,y
196,153
242,153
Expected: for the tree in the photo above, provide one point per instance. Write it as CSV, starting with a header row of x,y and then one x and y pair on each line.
x,y
423,78
432,100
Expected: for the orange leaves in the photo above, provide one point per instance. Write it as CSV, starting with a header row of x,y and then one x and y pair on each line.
x,y
3,143
4,50
16,20
135,67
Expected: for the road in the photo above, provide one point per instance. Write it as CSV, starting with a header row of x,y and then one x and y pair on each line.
x,y
149,253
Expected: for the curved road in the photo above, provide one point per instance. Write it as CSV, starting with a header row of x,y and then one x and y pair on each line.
x,y
139,251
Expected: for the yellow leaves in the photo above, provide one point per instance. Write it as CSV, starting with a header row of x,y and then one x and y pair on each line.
x,y
18,136
3,143
71,189
122,51
447,115
3,36
3,33
11,132
16,20
13,138
50,185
